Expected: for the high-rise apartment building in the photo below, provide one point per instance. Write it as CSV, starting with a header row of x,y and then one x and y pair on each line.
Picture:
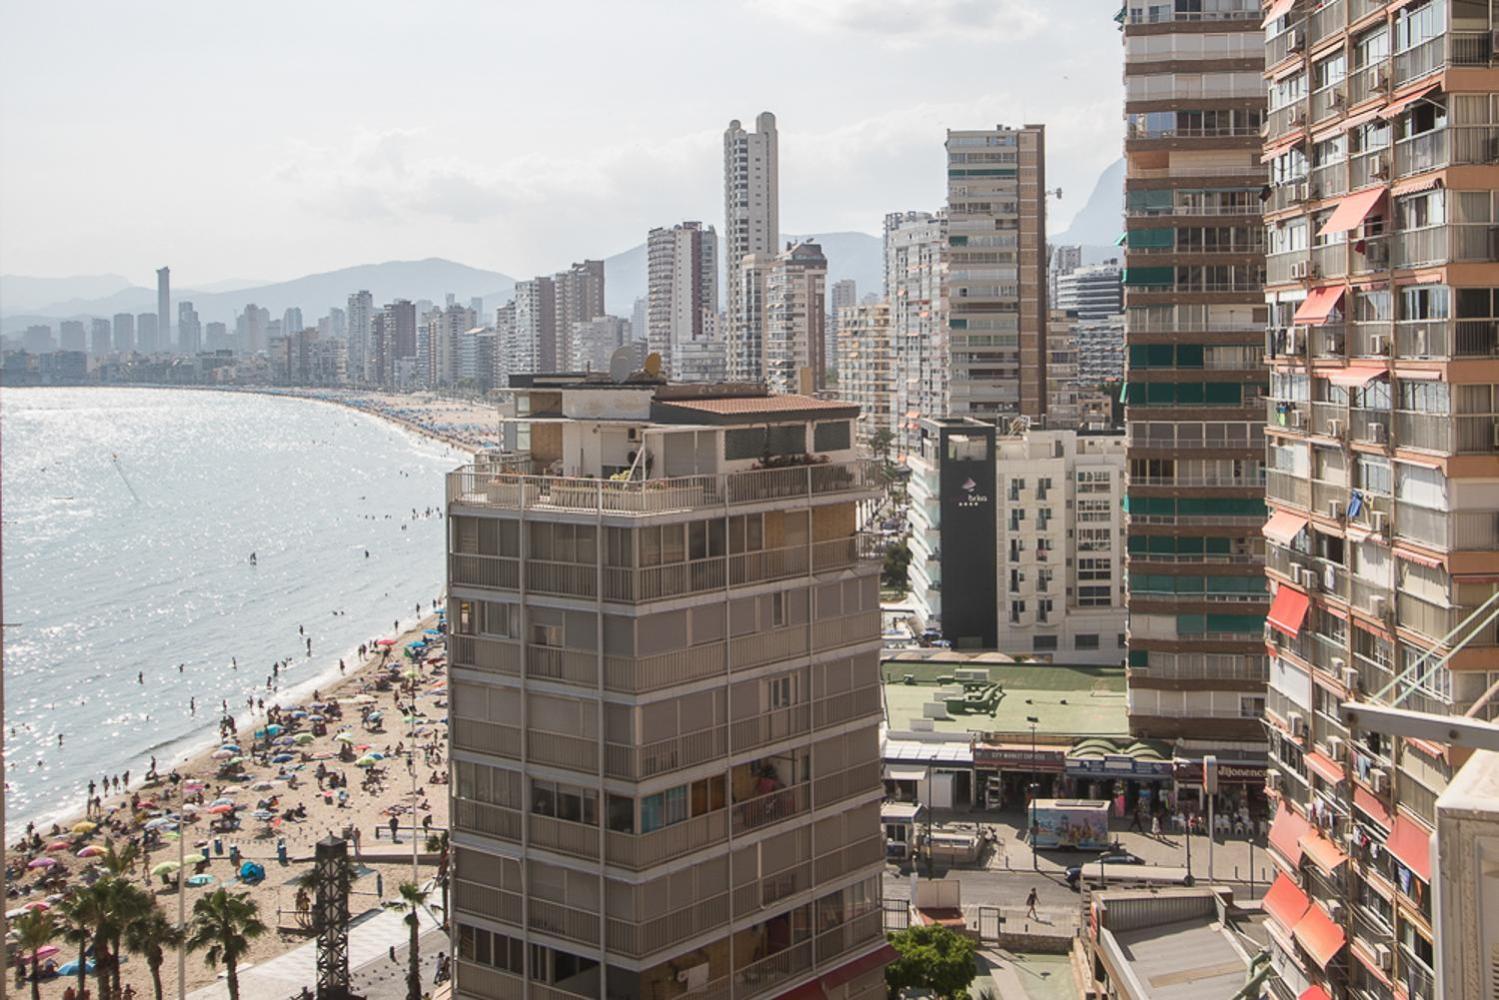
x,y
216,337
189,329
915,245
752,224
665,698
361,327
749,350
164,307
595,341
146,336
795,320
866,367
841,294
995,292
100,337
535,326
1194,330
579,293
682,290
71,335
1382,428
291,321
1093,292
38,339
124,332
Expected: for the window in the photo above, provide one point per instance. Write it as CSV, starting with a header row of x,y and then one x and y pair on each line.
x,y
1094,597
778,692
485,947
563,801
1043,643
1094,569
1086,642
831,435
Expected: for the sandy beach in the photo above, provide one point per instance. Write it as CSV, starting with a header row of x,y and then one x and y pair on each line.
x,y
469,425
261,790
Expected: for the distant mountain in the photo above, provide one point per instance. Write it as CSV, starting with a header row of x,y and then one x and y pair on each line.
x,y
313,294
231,284
20,293
850,255
1101,220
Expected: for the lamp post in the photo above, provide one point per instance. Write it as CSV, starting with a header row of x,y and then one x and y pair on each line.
x,y
1035,790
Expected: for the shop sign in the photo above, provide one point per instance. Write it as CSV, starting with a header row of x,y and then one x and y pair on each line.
x,y
1017,758
1118,766
1189,772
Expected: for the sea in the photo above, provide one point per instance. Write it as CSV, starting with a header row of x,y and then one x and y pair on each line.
x,y
133,611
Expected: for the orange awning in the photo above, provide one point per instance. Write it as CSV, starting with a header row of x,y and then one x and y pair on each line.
x,y
1288,610
1321,938
1286,833
1353,210
1411,845
1326,768
1337,128
1285,902
1370,806
1358,374
1278,9
1416,186
1283,526
1280,145
1389,111
1313,993
1418,558
1323,852
1318,305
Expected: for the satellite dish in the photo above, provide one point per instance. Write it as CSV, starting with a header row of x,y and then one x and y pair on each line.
x,y
653,364
620,364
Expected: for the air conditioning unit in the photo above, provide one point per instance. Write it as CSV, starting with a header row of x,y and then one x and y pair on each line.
x,y
1298,724
1351,680
1298,39
1377,253
1309,581
1381,168
1379,780
1272,781
1298,419
1299,268
1335,747
1335,910
1334,343
1377,519
1335,429
1379,608
1383,956
1339,97
1382,80
1379,344
1420,343
1338,663
1301,192
1375,432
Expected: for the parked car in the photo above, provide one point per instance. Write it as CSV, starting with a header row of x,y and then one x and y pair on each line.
x,y
1074,874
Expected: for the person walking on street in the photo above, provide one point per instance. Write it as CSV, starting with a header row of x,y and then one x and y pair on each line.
x,y
1030,904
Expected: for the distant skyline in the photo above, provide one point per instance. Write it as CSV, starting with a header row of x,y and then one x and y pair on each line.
x,y
514,138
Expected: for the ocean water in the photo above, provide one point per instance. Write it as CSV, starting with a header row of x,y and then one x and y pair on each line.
x,y
129,519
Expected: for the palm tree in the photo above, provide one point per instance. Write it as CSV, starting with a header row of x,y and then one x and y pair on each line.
x,y
34,929
80,914
413,898
122,903
119,862
149,936
223,927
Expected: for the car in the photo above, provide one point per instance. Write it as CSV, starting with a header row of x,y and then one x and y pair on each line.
x,y
1074,874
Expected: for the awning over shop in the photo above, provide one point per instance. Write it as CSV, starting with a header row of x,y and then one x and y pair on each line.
x,y
1358,374
1390,111
1288,610
941,753
1353,210
1323,852
1285,902
1097,757
1286,833
1326,768
1283,526
1321,938
897,772
1411,845
1317,306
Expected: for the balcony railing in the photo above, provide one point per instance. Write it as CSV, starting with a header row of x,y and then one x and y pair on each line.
x,y
771,972
1420,60
1445,434
638,940
647,849
763,810
1446,530
1329,19
487,737
1436,621
1440,339
1441,244
660,756
486,487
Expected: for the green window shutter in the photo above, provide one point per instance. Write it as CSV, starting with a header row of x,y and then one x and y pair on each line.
x,y
1218,546
1160,393
1139,657
1189,546
1151,239
1149,277
957,241
1189,355
1191,624
1137,543
1160,355
1138,356
1163,545
957,324
1124,393
1225,393
1239,624
1188,393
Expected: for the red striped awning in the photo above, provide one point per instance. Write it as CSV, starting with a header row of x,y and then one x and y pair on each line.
x,y
1313,993
1358,374
1288,610
1318,305
1411,845
1365,801
1420,559
1319,936
1286,832
1280,145
1283,526
1395,107
1323,852
1277,10
1326,768
1285,902
1352,210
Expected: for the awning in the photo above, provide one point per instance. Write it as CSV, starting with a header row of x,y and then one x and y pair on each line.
x,y
1326,768
1419,375
894,772
1353,210
1280,145
1317,306
1278,9
1283,526
1365,802
1418,558
1321,135
1288,610
1286,833
1389,111
849,971
1416,186
1323,852
1285,902
1321,938
1411,845
1358,374
1313,993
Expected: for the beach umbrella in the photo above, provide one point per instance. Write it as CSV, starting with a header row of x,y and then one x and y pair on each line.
x,y
261,786
361,747
376,716
71,968
192,786
299,714
41,863
376,754
44,952
344,738
91,851
221,809
222,754
284,741
146,804
303,739
282,758
385,642
165,868
194,859
38,904
316,718
227,799
412,720
200,880
19,911
412,675
58,845
85,827
230,746
366,761
160,822
235,760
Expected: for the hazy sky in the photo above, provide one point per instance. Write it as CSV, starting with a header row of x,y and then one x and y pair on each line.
x,y
273,139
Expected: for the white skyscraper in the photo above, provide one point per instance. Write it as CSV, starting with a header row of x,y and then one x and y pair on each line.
x,y
752,221
164,306
914,256
682,270
361,318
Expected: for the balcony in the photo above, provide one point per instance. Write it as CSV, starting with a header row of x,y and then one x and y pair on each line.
x,y
1445,434
578,839
1441,245
634,763
1327,21
638,940
1448,531
1449,146
1437,622
493,488
1288,488
486,737
1443,339
773,807
638,851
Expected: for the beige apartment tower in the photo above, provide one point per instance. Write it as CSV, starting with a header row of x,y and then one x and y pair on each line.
x,y
995,291
752,222
665,640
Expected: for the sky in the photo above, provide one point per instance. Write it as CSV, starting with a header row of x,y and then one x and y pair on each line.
x,y
268,140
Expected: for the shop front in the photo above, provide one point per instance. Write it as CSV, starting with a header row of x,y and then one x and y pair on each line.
x,y
1004,772
1241,785
1133,775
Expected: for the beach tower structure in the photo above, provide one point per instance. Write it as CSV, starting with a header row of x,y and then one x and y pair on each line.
x,y
664,643
331,918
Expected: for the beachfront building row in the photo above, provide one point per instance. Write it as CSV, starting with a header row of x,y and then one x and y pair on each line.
x,y
1015,539
665,635
1382,443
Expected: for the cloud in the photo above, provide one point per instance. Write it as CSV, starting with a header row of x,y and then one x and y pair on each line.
x,y
911,23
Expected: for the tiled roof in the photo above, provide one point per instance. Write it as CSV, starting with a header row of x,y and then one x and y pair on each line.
x,y
730,405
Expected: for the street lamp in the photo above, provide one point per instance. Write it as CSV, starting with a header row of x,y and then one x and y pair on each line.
x,y
1035,790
